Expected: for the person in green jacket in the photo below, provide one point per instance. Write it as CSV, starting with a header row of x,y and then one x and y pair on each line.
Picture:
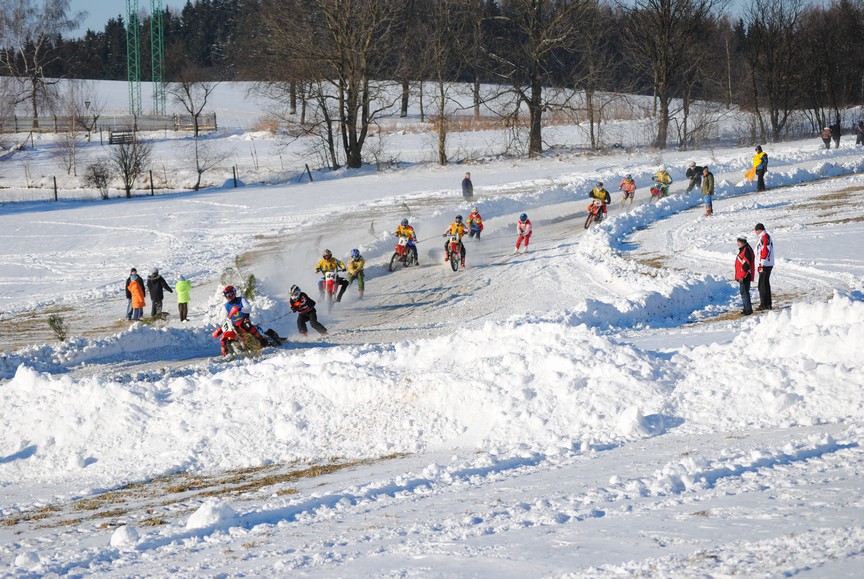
x,y
708,191
183,287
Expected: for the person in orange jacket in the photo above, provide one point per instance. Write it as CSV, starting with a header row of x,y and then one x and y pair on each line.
x,y
475,224
136,290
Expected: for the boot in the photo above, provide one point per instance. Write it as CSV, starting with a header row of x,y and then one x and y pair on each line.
x,y
360,294
446,257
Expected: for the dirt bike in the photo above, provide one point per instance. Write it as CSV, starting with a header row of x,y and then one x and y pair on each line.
x,y
236,341
595,213
454,249
403,254
330,286
658,191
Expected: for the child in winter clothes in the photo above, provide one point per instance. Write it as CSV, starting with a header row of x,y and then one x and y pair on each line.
x,y
136,290
183,287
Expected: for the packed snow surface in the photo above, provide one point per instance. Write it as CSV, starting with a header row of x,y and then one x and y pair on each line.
x,y
596,406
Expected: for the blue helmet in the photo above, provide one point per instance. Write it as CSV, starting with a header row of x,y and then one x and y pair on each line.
x,y
523,218
355,253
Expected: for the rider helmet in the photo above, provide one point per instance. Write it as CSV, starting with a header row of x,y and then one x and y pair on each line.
x,y
523,218
628,176
328,254
404,223
599,183
229,292
662,168
475,210
458,219
295,292
355,253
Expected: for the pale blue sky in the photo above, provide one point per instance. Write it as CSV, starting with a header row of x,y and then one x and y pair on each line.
x,y
99,11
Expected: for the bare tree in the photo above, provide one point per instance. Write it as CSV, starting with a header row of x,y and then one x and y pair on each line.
x,y
344,45
537,36
28,30
98,174
206,157
192,91
666,29
773,53
129,159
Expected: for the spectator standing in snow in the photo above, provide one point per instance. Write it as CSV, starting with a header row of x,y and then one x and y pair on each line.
x,y
708,190
136,290
835,133
859,133
155,284
183,287
140,282
467,187
760,163
826,137
744,273
694,173
765,255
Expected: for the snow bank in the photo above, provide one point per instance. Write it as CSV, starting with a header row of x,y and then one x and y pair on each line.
x,y
525,383
800,366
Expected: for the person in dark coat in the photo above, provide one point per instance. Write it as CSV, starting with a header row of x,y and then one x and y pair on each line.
x,y
859,133
467,187
744,273
155,284
305,307
760,164
694,173
835,133
140,281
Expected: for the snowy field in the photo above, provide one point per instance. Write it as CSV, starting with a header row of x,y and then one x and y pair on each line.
x,y
594,407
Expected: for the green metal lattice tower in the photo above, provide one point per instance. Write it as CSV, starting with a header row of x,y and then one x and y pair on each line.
x,y
133,57
157,49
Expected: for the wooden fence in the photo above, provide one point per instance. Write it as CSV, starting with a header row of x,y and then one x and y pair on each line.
x,y
111,123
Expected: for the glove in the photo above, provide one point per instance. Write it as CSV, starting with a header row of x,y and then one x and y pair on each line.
x,y
317,270
521,235
444,235
759,269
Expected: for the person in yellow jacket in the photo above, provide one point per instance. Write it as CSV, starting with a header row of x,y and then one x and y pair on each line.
x,y
663,179
406,230
183,287
456,228
330,263
355,271
760,165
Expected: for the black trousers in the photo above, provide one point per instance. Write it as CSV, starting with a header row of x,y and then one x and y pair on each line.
x,y
765,287
312,318
184,311
760,180
744,288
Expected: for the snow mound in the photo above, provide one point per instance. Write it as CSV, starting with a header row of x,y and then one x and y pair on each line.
x,y
213,513
28,560
125,537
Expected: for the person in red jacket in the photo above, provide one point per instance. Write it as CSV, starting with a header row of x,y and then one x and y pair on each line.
x,y
744,273
765,256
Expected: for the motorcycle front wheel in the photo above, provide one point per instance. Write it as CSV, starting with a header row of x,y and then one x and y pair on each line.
x,y
589,219
454,260
394,261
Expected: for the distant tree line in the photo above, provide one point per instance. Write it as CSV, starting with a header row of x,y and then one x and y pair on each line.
x,y
778,57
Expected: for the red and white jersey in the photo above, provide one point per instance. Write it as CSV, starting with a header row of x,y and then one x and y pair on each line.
x,y
523,227
765,250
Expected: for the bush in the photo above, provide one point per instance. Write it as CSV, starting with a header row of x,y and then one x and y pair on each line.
x,y
59,326
97,175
